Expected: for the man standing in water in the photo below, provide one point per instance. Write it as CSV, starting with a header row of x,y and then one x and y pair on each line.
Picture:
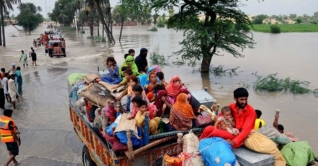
x,y
24,59
141,61
33,57
12,70
13,91
10,135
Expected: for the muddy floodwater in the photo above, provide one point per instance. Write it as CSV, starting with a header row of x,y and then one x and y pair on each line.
x,y
43,118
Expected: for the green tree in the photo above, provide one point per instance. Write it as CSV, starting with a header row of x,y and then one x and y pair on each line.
x,y
64,11
225,27
298,21
155,17
29,18
275,29
259,19
171,11
118,13
293,16
5,6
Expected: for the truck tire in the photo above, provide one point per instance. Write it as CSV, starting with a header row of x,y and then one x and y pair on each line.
x,y
86,158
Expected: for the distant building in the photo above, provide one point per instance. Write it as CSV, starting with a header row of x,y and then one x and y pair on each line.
x,y
7,22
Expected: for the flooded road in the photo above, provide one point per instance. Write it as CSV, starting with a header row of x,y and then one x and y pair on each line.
x,y
43,119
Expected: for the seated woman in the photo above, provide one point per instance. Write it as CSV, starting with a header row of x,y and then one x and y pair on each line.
x,y
113,76
144,78
150,82
181,113
175,87
162,103
129,63
150,87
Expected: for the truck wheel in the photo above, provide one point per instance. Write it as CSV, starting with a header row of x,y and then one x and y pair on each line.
x,y
86,158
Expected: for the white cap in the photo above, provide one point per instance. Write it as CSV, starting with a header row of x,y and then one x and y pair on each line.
x,y
13,64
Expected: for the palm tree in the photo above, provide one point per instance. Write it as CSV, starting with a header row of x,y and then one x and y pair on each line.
x,y
5,6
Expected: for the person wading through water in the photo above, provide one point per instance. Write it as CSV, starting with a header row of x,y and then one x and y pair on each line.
x,y
10,135
24,59
33,57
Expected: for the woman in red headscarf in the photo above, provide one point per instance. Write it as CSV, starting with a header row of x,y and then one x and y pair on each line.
x,y
181,113
162,102
175,87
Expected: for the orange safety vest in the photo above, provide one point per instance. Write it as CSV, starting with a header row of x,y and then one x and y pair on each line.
x,y
5,133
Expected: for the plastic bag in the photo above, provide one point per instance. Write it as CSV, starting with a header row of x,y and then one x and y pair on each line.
x,y
260,143
190,143
109,129
272,133
216,152
122,137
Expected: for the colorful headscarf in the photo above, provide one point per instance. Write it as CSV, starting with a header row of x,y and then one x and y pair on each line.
x,y
183,107
157,68
129,59
173,89
158,102
144,79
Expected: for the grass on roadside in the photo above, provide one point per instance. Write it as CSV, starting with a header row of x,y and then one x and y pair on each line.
x,y
286,27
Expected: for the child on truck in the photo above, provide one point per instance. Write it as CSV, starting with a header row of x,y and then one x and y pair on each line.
x,y
226,121
141,115
125,82
133,80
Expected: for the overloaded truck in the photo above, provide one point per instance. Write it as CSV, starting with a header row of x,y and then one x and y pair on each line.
x,y
104,150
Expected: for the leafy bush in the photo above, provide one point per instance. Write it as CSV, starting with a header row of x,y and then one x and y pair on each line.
x,y
272,83
157,58
161,23
275,29
153,29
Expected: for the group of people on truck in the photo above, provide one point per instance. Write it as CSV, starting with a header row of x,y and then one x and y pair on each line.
x,y
148,96
147,92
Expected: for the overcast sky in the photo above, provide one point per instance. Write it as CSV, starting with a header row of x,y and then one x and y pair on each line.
x,y
253,7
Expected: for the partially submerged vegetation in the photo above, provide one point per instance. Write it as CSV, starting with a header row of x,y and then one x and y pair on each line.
x,y
153,29
158,59
286,27
272,83
220,71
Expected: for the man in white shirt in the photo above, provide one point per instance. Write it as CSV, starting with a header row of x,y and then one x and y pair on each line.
x,y
4,82
13,91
